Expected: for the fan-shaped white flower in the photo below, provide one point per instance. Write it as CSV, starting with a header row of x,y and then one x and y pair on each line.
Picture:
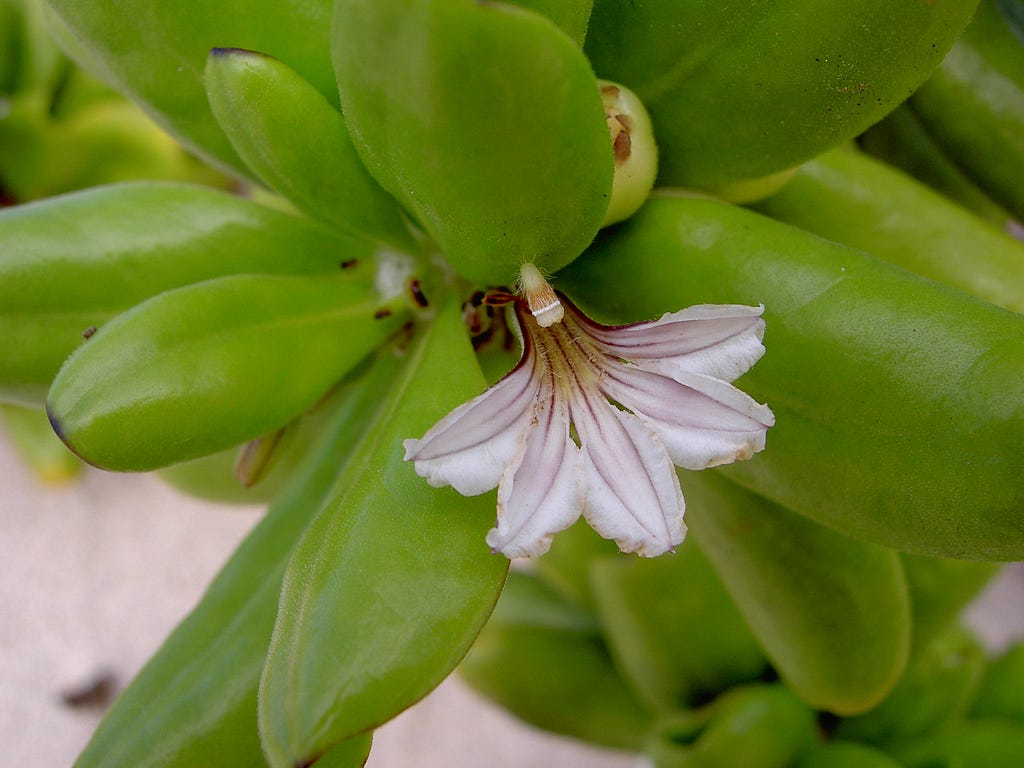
x,y
593,418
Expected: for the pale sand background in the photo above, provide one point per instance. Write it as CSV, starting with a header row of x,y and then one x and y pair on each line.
x,y
94,575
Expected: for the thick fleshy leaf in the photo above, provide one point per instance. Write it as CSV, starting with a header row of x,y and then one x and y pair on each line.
x,y
570,15
846,754
554,674
850,198
982,743
155,51
762,725
973,105
565,568
201,368
999,696
71,263
30,433
934,694
902,142
702,69
296,142
672,628
832,613
194,703
484,120
899,402
939,591
391,582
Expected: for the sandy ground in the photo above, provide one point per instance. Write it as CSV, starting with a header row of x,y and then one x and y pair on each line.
x,y
93,576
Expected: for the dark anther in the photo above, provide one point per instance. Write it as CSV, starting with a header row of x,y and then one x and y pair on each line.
x,y
88,332
483,337
348,263
477,299
417,293
498,298
380,314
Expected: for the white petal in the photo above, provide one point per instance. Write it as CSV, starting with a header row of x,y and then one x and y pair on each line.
x,y
702,421
632,494
470,448
542,492
720,340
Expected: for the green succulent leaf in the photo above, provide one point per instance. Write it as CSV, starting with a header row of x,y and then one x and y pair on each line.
x,y
672,628
484,121
934,693
902,141
899,403
572,16
972,744
194,703
555,674
30,433
740,90
853,199
391,582
846,754
296,142
999,695
762,725
566,566
939,591
155,51
832,613
70,264
974,106
201,368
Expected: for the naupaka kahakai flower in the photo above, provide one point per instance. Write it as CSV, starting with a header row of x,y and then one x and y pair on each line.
x,y
593,418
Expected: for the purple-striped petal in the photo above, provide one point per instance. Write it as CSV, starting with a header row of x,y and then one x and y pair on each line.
x,y
470,448
701,421
633,494
723,341
542,491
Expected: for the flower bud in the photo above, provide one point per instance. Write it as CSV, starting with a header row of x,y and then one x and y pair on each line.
x,y
636,154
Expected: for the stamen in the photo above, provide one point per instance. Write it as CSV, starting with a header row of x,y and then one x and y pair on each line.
x,y
540,297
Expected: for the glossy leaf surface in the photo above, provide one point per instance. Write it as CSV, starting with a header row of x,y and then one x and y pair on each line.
x,y
846,754
553,671
762,725
939,591
672,627
831,612
155,52
999,695
934,693
296,142
974,744
899,403
391,582
484,121
201,368
73,262
195,701
739,90
858,201
571,16
974,106
902,141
